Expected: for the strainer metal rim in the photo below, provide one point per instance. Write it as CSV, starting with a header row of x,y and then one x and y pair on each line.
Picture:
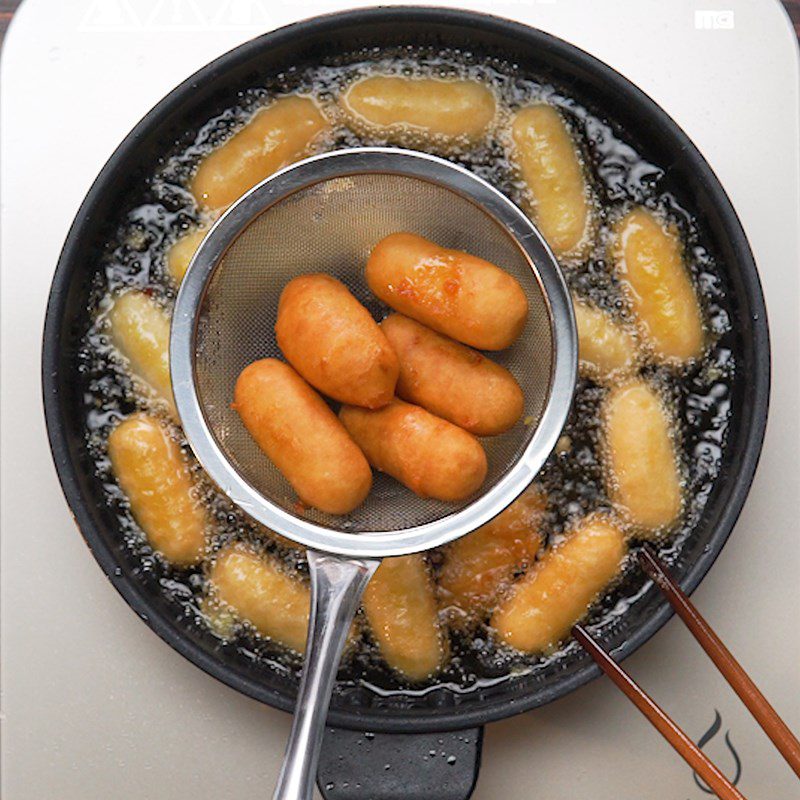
x,y
301,175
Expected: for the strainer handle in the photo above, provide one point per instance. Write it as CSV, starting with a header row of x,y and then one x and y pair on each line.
x,y
336,587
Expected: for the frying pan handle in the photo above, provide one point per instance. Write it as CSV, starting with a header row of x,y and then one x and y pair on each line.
x,y
399,766
336,588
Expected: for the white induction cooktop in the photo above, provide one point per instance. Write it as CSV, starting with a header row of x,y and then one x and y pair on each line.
x,y
94,705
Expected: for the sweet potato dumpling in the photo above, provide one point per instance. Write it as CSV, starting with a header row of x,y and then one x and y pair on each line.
x,y
400,605
139,329
455,293
607,349
276,604
542,607
300,434
451,380
154,476
275,137
334,343
429,455
479,566
648,258
642,471
182,251
419,110
551,169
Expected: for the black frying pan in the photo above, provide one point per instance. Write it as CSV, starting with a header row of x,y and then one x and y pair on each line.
x,y
688,177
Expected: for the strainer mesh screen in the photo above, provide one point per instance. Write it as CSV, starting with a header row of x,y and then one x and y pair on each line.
x,y
331,227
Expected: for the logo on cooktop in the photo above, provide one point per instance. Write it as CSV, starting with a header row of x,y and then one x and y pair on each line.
x,y
115,16
709,736
714,20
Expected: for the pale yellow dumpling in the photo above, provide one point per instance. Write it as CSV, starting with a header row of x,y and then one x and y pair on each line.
x,y
414,110
275,137
542,607
401,609
606,348
260,592
154,476
139,329
550,167
648,258
182,251
642,469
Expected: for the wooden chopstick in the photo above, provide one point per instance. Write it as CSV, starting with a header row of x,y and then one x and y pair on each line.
x,y
683,745
732,671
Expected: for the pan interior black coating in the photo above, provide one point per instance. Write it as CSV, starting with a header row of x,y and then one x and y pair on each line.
x,y
686,177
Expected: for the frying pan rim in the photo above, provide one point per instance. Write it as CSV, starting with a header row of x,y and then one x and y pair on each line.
x,y
132,590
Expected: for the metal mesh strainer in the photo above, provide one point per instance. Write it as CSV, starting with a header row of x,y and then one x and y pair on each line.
x,y
324,215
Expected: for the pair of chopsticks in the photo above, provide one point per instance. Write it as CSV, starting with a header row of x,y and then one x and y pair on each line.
x,y
732,671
